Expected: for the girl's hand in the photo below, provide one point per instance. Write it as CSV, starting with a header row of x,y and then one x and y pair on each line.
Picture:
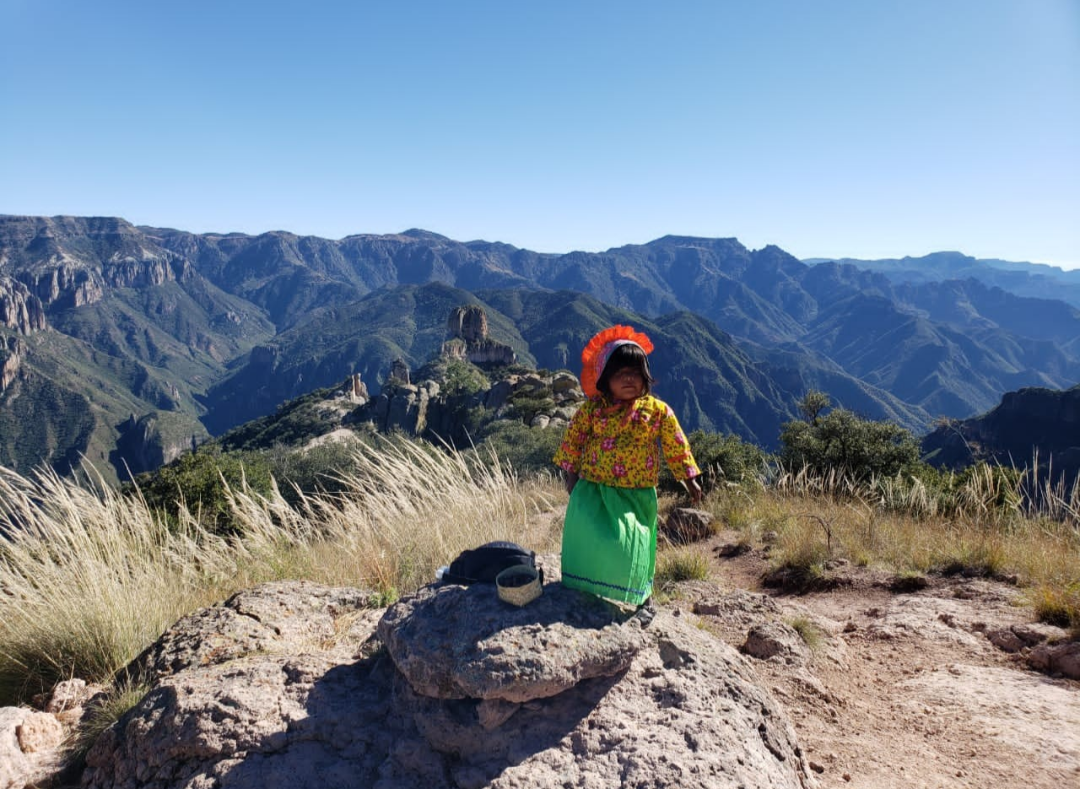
x,y
570,481
694,488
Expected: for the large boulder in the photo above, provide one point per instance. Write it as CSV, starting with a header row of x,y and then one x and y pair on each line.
x,y
668,705
686,524
457,642
286,617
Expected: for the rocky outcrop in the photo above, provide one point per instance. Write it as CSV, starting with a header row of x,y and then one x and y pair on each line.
x,y
20,310
686,524
776,641
12,354
402,407
425,408
399,372
146,443
66,285
264,356
1057,659
71,261
288,617
32,741
455,643
1028,426
355,389
284,685
469,323
467,329
28,743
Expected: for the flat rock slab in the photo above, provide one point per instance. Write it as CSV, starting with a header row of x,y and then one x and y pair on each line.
x,y
457,642
1037,717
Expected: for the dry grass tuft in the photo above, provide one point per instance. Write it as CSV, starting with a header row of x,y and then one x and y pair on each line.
x,y
120,698
812,635
680,564
983,527
1057,605
89,577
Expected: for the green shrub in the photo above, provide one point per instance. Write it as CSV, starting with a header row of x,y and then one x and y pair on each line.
x,y
721,458
295,422
525,404
1058,605
844,442
319,469
198,480
525,449
460,378
120,698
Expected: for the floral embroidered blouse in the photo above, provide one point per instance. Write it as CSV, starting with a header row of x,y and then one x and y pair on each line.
x,y
620,445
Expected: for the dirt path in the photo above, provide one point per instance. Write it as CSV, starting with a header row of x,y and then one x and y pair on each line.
x,y
905,690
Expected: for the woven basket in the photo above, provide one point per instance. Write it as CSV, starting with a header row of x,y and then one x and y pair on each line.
x,y
519,595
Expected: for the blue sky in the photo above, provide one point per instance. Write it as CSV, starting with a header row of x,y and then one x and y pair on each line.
x,y
857,129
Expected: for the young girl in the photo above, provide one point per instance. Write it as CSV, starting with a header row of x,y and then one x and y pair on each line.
x,y
611,456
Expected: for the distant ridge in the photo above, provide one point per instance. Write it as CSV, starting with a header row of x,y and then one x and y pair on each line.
x,y
1038,280
151,329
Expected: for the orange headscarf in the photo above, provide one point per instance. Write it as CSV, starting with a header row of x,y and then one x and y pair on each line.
x,y
598,351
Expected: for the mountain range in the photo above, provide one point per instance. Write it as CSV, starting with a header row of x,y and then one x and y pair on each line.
x,y
128,344
1037,280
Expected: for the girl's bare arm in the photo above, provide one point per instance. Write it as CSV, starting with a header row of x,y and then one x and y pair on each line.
x,y
570,481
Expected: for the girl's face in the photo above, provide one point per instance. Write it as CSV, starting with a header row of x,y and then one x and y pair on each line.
x,y
627,383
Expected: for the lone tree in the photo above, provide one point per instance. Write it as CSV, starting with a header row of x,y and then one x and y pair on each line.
x,y
843,441
812,404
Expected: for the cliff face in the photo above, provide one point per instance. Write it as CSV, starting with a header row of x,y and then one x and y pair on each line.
x,y
19,308
153,440
1028,426
12,353
71,261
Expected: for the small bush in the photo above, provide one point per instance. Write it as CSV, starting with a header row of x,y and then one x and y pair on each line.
x,y
1057,606
985,558
907,581
197,483
680,565
722,459
812,635
526,404
523,448
799,564
319,469
119,699
456,377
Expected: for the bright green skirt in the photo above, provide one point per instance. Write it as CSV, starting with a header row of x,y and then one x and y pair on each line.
x,y
609,541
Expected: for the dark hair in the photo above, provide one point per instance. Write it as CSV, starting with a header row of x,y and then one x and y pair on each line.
x,y
626,355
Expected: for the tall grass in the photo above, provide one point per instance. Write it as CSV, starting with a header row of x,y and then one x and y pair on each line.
x,y
988,522
90,577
